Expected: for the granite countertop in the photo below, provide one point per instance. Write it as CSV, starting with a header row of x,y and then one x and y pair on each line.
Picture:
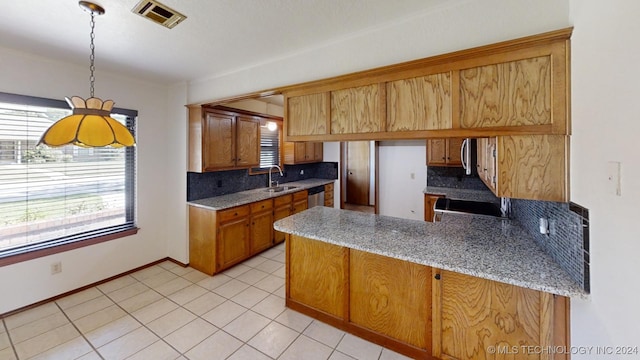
x,y
249,196
463,194
489,248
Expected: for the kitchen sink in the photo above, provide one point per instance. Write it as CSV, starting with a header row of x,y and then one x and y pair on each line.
x,y
280,188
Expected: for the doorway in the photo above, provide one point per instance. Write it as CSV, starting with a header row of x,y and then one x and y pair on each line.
x,y
359,178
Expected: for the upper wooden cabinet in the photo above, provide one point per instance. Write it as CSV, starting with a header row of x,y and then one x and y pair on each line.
x,y
221,140
444,152
358,110
302,152
420,103
515,93
525,166
307,114
514,87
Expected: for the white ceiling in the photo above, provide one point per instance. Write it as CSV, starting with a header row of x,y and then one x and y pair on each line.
x,y
218,36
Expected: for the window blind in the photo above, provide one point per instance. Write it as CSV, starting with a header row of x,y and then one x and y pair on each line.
x,y
269,147
50,196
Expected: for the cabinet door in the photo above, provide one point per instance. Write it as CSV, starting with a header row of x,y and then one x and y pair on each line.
x,y
317,275
533,167
515,93
481,157
421,103
453,152
318,149
471,315
219,141
391,297
437,152
307,114
358,110
280,213
248,141
202,240
233,242
429,206
261,231
300,155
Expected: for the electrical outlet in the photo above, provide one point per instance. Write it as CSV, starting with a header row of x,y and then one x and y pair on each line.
x,y
56,268
301,172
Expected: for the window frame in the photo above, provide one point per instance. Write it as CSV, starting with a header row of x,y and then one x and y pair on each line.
x,y
88,238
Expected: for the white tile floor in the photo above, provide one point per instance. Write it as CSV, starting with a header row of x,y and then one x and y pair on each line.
x,y
169,312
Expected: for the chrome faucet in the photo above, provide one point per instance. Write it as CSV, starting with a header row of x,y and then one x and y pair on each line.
x,y
270,168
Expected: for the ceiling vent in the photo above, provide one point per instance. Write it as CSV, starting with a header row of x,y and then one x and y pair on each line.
x,y
158,13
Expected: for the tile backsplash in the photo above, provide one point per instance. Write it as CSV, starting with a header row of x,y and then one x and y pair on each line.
x,y
453,177
204,185
568,239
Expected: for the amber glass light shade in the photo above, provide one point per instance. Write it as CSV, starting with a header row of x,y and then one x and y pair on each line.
x,y
90,125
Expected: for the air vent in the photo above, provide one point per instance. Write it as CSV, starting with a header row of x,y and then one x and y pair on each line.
x,y
158,13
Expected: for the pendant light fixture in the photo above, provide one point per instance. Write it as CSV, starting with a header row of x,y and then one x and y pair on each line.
x,y
90,124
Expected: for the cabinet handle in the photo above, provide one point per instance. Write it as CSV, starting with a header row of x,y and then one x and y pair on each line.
x,y
437,276
443,158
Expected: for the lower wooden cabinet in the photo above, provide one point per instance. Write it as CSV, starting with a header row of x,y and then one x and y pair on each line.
x,y
473,316
221,239
261,226
328,195
419,311
282,207
391,297
318,275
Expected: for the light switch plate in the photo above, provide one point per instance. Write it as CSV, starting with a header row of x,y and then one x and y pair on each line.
x,y
613,178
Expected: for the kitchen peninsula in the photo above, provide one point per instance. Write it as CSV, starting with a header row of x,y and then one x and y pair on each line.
x,y
448,289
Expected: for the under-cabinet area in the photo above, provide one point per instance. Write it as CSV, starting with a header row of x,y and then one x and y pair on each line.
x,y
428,295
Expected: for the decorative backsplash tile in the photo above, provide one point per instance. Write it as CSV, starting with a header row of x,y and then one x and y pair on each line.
x,y
568,239
453,177
204,185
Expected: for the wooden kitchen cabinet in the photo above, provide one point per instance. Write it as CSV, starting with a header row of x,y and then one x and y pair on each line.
x,y
233,241
300,201
470,315
444,152
420,103
359,109
513,93
262,218
222,140
328,195
531,167
302,152
307,114
318,276
391,297
429,206
282,207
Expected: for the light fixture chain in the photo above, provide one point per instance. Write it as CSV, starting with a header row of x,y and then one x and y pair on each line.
x,y
92,57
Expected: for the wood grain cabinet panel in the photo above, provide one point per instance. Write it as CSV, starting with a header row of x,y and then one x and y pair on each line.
x,y
421,103
307,114
302,152
391,297
473,314
444,152
247,141
202,239
282,207
262,234
515,93
233,242
429,206
219,141
358,110
533,167
317,275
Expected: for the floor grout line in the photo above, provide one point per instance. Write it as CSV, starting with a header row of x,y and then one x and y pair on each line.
x,y
79,332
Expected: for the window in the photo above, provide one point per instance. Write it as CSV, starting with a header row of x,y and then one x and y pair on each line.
x,y
57,196
270,141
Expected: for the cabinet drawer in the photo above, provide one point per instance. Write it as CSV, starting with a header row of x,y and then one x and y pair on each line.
x,y
282,200
300,195
328,187
233,213
261,205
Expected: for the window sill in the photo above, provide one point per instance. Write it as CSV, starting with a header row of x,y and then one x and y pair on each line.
x,y
55,249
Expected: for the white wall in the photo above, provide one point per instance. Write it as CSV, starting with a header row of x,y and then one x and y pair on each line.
x,y
402,176
606,125
30,281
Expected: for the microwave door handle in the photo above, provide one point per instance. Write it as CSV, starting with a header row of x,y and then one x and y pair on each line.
x,y
463,154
